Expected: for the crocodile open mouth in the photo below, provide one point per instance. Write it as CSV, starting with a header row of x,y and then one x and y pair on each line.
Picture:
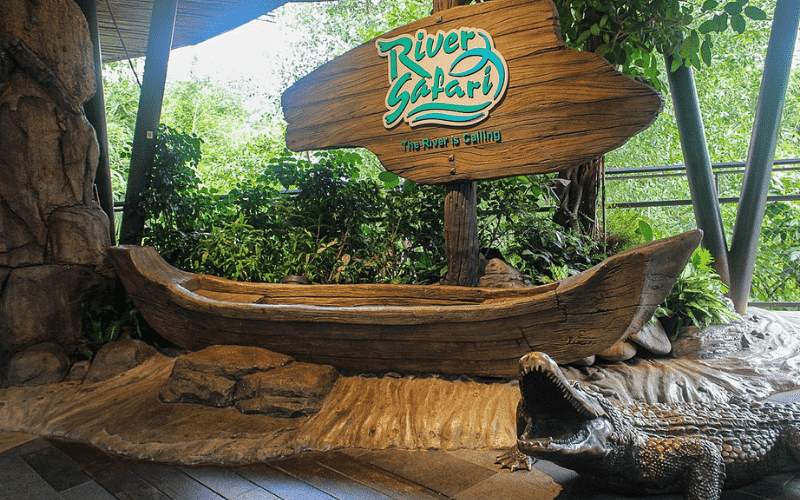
x,y
556,411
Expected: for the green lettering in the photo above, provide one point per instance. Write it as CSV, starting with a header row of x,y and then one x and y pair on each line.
x,y
471,86
430,49
451,42
397,98
420,90
418,54
438,82
453,88
487,85
465,37
405,45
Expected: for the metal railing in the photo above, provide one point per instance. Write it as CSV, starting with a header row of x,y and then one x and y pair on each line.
x,y
719,169
674,202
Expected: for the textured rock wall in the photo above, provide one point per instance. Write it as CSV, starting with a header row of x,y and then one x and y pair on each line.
x,y
53,235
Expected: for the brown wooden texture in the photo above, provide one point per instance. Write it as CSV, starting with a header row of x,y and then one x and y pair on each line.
x,y
562,107
411,328
461,233
460,216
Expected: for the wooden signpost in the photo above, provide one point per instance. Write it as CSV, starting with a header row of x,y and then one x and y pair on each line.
x,y
475,92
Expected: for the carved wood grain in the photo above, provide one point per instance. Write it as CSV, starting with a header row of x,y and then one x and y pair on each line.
x,y
562,107
445,329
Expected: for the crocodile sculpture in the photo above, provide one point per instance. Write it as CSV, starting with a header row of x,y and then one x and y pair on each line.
x,y
695,448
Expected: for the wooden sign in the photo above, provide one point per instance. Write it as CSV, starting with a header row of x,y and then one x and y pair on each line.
x,y
482,91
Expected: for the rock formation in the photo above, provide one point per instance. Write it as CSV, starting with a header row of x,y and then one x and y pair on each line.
x,y
252,379
54,234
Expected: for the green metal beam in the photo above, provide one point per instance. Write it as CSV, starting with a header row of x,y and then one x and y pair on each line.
x,y
159,44
95,110
698,166
761,154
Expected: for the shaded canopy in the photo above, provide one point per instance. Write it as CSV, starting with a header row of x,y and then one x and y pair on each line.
x,y
196,21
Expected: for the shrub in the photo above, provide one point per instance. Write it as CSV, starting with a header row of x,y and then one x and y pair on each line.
x,y
321,217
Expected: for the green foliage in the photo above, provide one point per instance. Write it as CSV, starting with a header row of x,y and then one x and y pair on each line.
x,y
177,208
515,217
629,33
319,217
697,297
234,250
108,323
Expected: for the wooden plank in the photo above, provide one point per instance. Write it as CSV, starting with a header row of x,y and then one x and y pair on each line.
x,y
281,484
173,482
306,469
374,477
561,107
126,485
437,471
226,482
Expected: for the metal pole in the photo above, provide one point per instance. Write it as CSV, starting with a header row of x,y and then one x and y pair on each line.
x,y
159,44
95,110
761,154
698,166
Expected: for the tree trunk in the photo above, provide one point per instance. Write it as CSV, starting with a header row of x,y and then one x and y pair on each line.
x,y
577,195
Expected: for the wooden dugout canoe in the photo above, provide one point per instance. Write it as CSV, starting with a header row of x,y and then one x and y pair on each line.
x,y
409,328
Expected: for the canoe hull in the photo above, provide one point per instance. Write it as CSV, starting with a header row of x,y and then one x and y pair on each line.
x,y
409,328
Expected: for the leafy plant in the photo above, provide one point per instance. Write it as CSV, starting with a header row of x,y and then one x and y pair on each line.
x,y
697,297
629,34
109,323
177,207
234,251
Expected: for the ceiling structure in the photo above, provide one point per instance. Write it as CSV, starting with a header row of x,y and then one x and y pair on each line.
x,y
124,24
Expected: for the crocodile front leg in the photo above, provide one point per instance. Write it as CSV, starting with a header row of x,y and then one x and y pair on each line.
x,y
513,458
694,462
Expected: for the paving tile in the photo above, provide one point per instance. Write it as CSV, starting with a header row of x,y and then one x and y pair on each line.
x,y
782,479
739,495
438,471
280,483
223,481
27,447
791,490
257,494
56,468
764,489
28,487
87,491
485,458
14,468
559,474
9,440
507,487
125,485
374,477
173,482
306,469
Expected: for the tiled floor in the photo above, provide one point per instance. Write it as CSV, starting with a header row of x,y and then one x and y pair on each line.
x,y
35,468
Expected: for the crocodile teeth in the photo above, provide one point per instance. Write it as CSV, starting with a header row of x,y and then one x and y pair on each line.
x,y
533,386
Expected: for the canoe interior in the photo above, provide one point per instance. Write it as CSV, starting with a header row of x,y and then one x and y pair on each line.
x,y
367,295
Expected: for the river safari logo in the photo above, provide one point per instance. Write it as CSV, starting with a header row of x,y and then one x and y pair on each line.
x,y
449,78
